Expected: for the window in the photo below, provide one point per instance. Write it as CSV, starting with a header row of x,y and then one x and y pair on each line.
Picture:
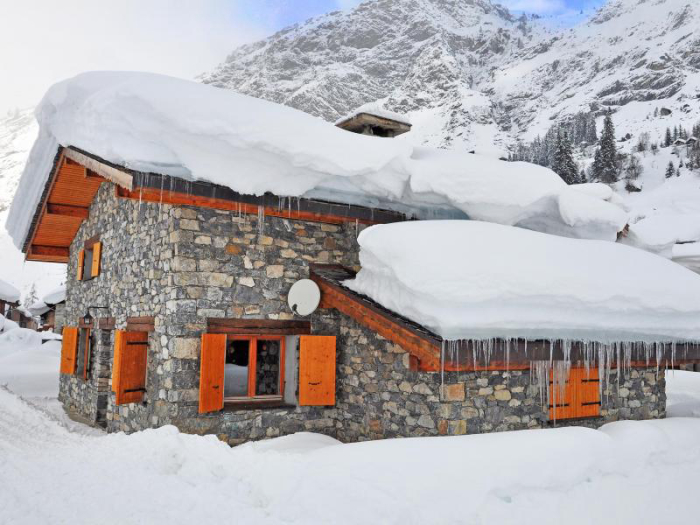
x,y
246,370
89,259
254,367
581,395
85,349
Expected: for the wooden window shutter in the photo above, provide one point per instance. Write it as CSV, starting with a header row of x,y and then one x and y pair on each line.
x,y
211,376
129,367
581,396
316,370
96,257
69,350
81,263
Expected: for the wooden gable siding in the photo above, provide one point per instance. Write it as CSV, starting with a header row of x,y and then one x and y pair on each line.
x,y
66,204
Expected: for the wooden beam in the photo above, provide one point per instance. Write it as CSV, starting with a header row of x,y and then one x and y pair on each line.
x,y
67,210
257,327
51,251
141,324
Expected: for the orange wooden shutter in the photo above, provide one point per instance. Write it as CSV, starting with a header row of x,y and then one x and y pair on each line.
x,y
129,368
211,375
69,350
81,262
96,257
581,396
316,370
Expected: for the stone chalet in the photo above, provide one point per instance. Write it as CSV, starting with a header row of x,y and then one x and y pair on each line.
x,y
176,314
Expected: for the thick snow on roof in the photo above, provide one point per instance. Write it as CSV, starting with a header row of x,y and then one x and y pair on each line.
x,y
38,308
469,279
160,124
8,292
55,296
375,108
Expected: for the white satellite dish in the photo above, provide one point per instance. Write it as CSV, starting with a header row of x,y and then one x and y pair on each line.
x,y
303,297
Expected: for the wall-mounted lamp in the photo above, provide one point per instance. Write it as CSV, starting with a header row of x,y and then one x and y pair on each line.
x,y
87,318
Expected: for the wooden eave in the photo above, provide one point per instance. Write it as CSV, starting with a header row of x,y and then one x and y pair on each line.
x,y
356,123
76,176
65,203
466,355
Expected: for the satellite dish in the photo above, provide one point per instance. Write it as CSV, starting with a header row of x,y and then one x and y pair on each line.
x,y
304,297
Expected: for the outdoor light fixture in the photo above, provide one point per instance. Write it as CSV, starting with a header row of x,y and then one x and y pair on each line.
x,y
87,318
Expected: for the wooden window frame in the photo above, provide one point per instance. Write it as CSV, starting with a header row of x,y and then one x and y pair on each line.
x,y
252,398
86,352
87,254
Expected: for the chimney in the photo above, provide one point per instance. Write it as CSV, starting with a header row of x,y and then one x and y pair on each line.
x,y
375,121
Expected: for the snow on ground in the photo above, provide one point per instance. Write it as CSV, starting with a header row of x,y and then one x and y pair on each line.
x,y
470,279
185,129
53,470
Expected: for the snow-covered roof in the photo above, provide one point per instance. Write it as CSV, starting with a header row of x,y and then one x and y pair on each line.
x,y
376,109
154,123
475,280
8,292
38,308
56,296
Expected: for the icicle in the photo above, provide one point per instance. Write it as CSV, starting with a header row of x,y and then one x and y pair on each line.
x,y
442,366
261,220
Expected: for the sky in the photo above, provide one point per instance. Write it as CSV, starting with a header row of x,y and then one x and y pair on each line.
x,y
44,41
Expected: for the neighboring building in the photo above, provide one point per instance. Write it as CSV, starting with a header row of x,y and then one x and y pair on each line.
x,y
51,310
22,317
9,297
176,313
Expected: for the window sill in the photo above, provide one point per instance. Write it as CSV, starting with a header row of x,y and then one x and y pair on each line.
x,y
231,405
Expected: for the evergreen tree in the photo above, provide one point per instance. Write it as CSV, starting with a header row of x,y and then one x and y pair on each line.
x,y
675,133
608,153
564,164
597,166
668,139
670,170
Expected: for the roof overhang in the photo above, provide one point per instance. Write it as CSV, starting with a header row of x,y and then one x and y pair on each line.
x,y
65,203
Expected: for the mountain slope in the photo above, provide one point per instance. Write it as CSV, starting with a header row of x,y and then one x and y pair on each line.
x,y
470,74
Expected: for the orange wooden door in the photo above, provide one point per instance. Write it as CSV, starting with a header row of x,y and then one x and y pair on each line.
x,y
317,370
211,375
69,350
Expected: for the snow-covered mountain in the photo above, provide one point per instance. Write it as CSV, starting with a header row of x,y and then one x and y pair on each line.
x,y
469,73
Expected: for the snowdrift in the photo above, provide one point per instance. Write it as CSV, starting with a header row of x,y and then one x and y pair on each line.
x,y
469,279
154,123
8,292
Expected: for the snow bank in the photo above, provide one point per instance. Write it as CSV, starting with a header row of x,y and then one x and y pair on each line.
x,y
533,476
20,337
55,296
174,127
682,393
8,292
468,279
7,324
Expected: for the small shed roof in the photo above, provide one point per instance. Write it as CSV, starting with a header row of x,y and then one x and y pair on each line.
x,y
8,293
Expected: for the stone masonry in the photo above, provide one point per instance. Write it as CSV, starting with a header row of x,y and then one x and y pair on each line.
x,y
183,265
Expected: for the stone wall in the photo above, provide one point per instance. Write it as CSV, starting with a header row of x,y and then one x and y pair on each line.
x,y
380,397
183,265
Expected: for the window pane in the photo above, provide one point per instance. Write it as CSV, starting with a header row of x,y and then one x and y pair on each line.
x,y
236,369
267,371
87,264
